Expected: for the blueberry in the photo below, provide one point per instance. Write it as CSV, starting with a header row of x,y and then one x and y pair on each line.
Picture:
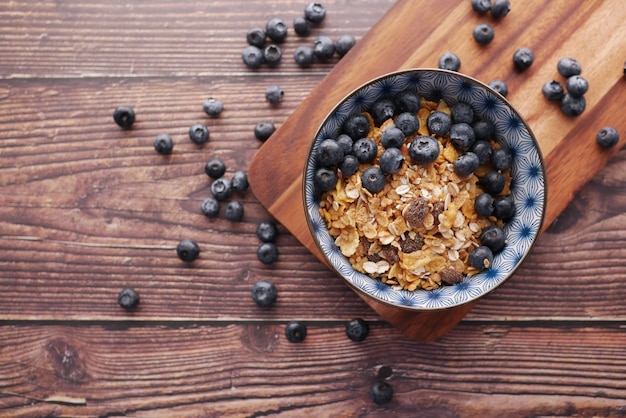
x,y
346,143
391,160
344,44
199,134
314,12
295,332
128,298
213,107
481,257
481,6
365,150
210,207
272,54
325,179
501,159
356,126
483,130
329,153
576,86
493,237
267,231
357,330
552,90
499,86
466,164
221,188
483,33
256,36
408,101
264,293
462,113
438,123
215,168
274,94
187,250
239,181
607,137
267,253
163,144
301,26
573,106
500,8
492,182
323,48
462,136
483,150
303,56
349,165
484,204
234,211
424,149
523,58
449,61
252,56
263,130
373,179
408,123
381,393
124,116
276,30
382,110
568,67
504,207
392,137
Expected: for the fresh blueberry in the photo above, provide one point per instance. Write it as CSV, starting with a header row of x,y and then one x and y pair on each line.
x,y
356,126
267,231
199,134
492,182
349,165
325,179
607,137
484,204
344,44
373,179
346,143
573,106
267,253
462,113
500,8
483,150
213,107
187,250
438,123
276,30
295,332
124,116
449,61
408,123
239,181
391,160
408,101
234,211
365,150
483,33
314,12
424,149
493,237
329,153
301,26
501,159
499,86
553,90
466,164
382,110
264,293
357,330
163,144
303,56
523,58
215,168
504,207
272,54
323,48
210,207
128,298
483,130
462,136
481,6
256,36
221,188
576,86
481,257
381,393
252,56
263,130
392,137
568,67
274,94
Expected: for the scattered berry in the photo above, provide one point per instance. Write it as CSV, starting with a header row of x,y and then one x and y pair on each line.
x,y
373,179
568,67
221,189
576,86
272,54
274,94
408,123
424,149
493,237
323,48
256,36
450,61
295,332
481,257
267,231
553,90
607,137
466,164
483,33
356,126
365,150
500,8
573,106
381,392
210,207
252,57
128,298
239,181
462,136
267,253
264,293
187,250
499,86
391,160
492,182
314,12
344,44
213,107
199,134
523,58
484,204
263,130
501,159
163,144
276,30
357,330
438,123
481,6
504,207
215,168
303,56
325,179
329,153
124,116
392,137
234,211
301,26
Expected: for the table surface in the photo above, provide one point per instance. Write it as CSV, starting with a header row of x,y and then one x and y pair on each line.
x,y
87,209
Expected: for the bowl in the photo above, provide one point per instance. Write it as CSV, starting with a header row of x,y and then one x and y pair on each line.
x,y
525,180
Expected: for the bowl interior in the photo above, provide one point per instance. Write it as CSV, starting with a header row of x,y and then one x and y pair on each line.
x,y
527,186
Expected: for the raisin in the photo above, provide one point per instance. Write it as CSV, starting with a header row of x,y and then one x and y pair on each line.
x,y
415,212
409,245
438,208
451,276
390,254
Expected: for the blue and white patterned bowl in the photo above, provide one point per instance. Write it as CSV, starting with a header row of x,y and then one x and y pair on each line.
x,y
528,186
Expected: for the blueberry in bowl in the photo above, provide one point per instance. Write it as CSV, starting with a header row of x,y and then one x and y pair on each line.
x,y
427,210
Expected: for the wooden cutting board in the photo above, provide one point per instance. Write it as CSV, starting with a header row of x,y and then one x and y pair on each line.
x,y
414,33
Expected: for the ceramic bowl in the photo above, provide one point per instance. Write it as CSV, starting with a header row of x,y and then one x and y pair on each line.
x,y
528,185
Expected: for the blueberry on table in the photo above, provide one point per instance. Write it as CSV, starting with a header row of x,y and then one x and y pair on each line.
x,y
576,86
325,179
481,6
373,179
501,159
438,123
295,331
381,392
239,181
267,253
163,144
234,211
462,136
264,293
215,168
356,126
483,33
301,26
213,107
573,106
274,94
504,207
323,48
408,123
303,56
124,116
329,153
187,250
349,165
568,67
267,231
128,298
607,137
365,150
199,134
523,58
344,44
210,207
492,182
221,189
466,164
484,205
449,61
499,86
481,257
276,29
483,150
314,12
391,160
392,137
424,149
263,130
553,90
493,237
500,8
256,36
252,57
272,54
357,330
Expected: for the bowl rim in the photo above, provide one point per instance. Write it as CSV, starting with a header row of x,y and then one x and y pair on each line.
x,y
470,79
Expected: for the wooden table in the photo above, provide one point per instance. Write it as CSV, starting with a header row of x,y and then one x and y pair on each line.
x,y
87,208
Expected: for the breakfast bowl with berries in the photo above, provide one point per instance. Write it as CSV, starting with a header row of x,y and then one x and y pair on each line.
x,y
424,189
